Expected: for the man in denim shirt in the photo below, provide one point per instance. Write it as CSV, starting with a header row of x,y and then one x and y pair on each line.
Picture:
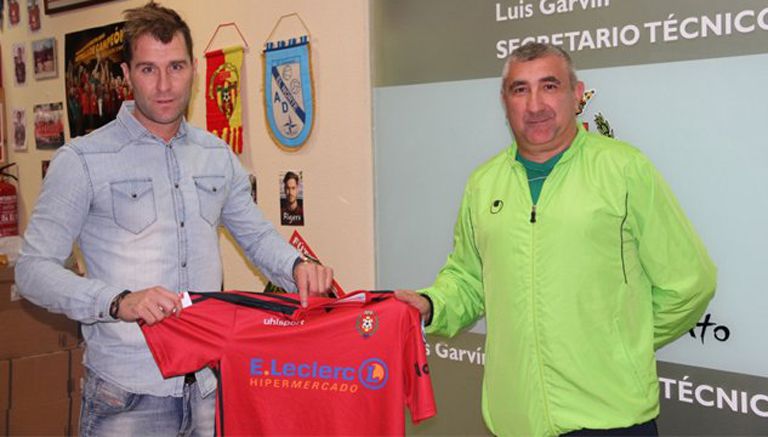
x,y
144,197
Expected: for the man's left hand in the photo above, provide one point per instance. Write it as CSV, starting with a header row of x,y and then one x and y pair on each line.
x,y
312,279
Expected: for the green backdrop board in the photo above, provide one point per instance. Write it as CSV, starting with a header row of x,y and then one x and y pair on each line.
x,y
680,79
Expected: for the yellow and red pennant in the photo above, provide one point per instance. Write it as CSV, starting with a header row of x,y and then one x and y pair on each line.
x,y
223,100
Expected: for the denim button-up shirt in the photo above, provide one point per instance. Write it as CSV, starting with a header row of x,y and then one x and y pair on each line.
x,y
144,213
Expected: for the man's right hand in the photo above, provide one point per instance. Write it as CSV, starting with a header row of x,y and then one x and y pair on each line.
x,y
151,305
416,300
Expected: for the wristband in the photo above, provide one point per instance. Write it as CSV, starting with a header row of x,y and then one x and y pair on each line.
x,y
431,309
114,307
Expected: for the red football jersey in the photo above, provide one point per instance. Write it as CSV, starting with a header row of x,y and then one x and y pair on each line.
x,y
341,366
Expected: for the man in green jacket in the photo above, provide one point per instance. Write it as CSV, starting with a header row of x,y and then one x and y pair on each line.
x,y
581,260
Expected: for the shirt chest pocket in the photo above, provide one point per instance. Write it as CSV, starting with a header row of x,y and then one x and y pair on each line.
x,y
133,204
210,194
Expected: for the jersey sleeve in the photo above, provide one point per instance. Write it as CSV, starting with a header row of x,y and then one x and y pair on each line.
x,y
418,384
195,339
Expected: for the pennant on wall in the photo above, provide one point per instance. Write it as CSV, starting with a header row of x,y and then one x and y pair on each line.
x,y
288,92
222,97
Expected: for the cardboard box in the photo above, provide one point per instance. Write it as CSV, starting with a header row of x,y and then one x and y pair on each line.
x,y
76,384
74,415
6,276
39,379
48,419
26,329
5,386
39,395
5,395
7,300
33,330
4,422
76,371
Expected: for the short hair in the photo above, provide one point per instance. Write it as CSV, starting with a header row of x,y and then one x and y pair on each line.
x,y
160,22
536,50
290,175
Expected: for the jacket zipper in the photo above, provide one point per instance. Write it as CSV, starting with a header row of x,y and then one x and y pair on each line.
x,y
535,319
532,220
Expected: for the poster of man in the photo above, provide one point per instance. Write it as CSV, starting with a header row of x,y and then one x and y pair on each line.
x,y
291,199
33,10
94,82
19,120
44,58
19,63
14,12
49,125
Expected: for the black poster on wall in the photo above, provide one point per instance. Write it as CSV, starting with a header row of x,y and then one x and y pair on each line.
x,y
95,85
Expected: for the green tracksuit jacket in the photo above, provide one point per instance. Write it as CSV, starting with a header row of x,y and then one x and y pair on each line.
x,y
578,292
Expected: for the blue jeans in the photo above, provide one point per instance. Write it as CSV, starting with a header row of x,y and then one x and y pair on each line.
x,y
109,410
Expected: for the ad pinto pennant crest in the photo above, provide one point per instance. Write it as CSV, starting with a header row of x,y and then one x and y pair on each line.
x,y
288,92
223,100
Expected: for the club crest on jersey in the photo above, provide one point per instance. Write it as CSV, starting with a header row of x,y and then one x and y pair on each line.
x,y
288,92
367,323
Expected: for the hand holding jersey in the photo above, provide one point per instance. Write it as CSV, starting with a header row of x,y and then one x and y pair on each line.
x,y
150,305
156,303
416,300
312,279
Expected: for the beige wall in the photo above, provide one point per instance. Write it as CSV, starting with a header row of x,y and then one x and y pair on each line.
x,y
336,160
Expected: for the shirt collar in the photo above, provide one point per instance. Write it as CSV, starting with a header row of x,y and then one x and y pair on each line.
x,y
136,130
566,154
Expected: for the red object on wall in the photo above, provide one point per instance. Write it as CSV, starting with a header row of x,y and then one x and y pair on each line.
x,y
9,210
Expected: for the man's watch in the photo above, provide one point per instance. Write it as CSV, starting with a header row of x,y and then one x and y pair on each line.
x,y
114,307
304,259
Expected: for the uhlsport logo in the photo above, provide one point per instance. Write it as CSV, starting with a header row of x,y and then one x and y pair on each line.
x,y
274,321
367,323
371,374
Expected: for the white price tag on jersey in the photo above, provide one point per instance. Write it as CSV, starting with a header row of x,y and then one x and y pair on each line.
x,y
355,297
185,299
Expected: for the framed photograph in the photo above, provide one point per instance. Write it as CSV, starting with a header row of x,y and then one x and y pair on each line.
x,y
19,129
14,12
49,125
44,58
33,13
19,63
292,198
94,83
56,6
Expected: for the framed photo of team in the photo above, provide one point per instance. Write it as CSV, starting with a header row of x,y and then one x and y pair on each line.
x,y
56,6
94,82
